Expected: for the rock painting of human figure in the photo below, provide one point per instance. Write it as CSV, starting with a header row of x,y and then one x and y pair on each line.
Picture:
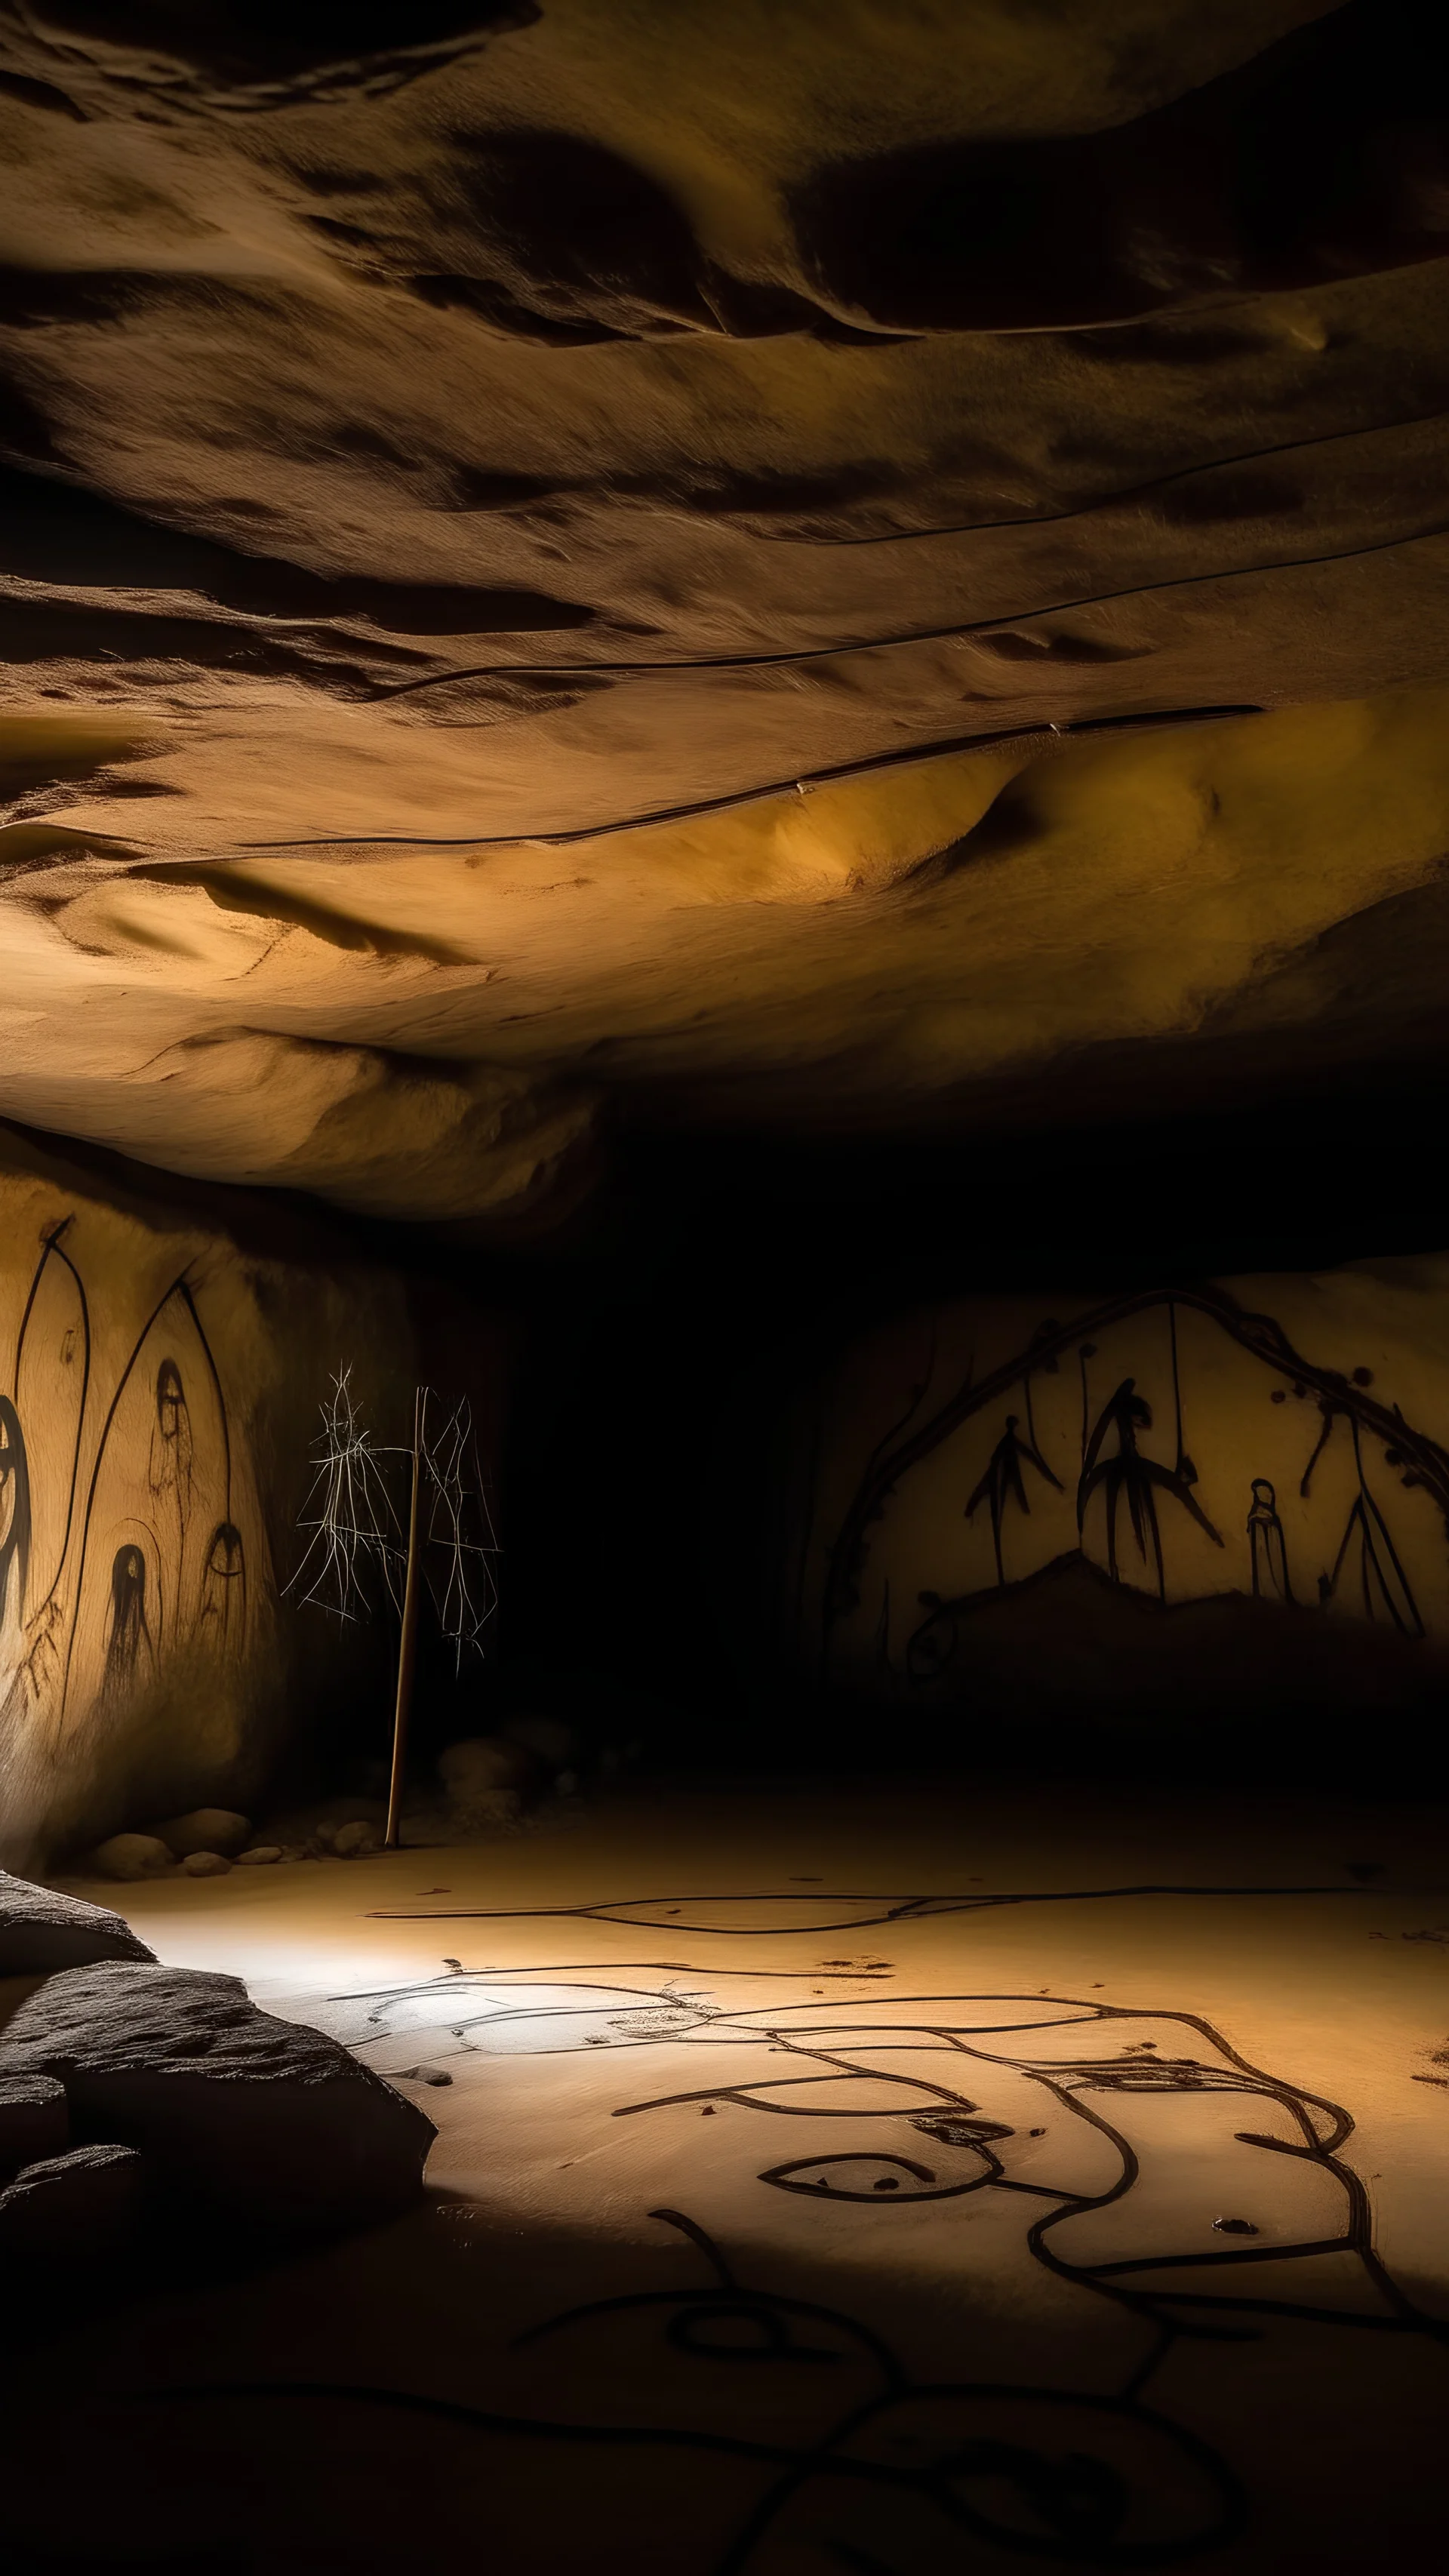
x,y
1174,1442
122,1538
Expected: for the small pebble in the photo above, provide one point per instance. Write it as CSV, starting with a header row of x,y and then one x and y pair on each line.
x,y
1235,2227
258,1855
205,1865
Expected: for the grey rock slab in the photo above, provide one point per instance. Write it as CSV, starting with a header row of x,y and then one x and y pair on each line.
x,y
41,1930
34,2121
266,2120
72,2207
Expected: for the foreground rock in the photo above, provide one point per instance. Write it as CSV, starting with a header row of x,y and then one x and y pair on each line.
x,y
270,2123
41,1930
34,2121
74,2207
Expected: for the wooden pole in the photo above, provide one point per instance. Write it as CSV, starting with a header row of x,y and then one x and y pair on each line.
x,y
408,1641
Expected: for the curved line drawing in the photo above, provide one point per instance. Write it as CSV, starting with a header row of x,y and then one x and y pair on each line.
x,y
923,635
1037,2471
1047,735
53,1243
15,1544
665,1910
1115,500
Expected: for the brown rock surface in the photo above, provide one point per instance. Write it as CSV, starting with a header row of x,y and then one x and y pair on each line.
x,y
557,563
205,1829
132,1856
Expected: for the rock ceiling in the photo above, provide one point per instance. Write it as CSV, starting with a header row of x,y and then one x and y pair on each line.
x,y
840,566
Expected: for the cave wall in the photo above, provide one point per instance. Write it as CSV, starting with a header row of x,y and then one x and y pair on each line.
x,y
1166,1507
162,1362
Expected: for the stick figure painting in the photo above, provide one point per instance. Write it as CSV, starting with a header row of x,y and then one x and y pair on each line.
x,y
129,1529
1180,1445
133,1618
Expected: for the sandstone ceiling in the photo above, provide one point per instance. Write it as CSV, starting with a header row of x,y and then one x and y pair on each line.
x,y
813,564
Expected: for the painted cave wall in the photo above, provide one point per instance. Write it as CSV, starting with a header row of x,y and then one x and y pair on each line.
x,y
161,1372
1166,1506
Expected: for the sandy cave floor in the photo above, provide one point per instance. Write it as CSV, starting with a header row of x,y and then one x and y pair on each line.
x,y
826,2181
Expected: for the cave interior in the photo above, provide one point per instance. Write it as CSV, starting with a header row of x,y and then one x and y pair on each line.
x,y
724,852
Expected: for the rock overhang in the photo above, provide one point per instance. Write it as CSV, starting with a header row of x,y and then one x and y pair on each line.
x,y
829,574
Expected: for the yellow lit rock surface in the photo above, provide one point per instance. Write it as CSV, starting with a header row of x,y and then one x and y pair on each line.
x,y
427,454
430,1032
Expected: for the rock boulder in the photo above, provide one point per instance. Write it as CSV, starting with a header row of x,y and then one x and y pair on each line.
x,y
133,1856
41,1931
204,1829
263,2120
73,2207
34,2121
